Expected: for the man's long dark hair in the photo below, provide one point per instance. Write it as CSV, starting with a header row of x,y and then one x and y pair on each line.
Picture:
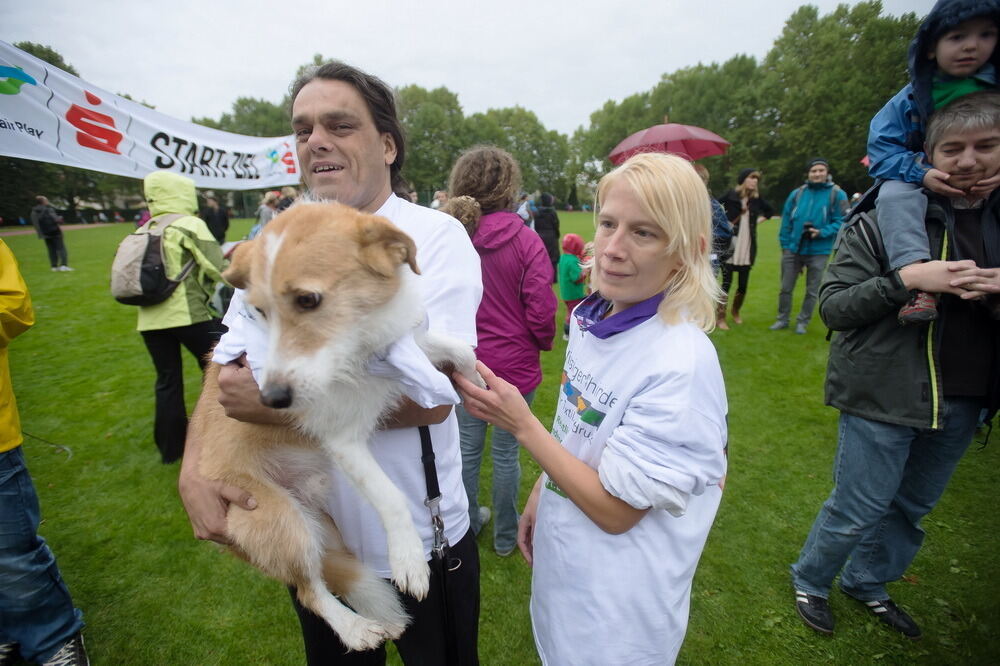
x,y
377,95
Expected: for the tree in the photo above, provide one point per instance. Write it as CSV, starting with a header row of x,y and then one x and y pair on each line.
x,y
824,79
435,134
542,154
252,117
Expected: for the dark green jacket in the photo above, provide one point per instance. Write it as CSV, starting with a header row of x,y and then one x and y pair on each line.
x,y
879,369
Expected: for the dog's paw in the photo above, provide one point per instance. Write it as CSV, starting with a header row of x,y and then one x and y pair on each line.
x,y
365,634
410,572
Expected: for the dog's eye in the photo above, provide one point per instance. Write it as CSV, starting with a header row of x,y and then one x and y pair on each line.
x,y
308,301
261,312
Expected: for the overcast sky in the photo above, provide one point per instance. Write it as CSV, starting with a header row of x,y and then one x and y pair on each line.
x,y
561,59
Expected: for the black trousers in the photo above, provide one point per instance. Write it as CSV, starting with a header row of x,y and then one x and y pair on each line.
x,y
57,251
164,345
743,272
425,641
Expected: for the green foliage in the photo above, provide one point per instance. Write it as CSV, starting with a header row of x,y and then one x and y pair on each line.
x,y
151,594
252,117
825,77
814,94
435,134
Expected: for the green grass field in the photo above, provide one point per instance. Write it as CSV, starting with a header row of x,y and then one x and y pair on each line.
x,y
151,594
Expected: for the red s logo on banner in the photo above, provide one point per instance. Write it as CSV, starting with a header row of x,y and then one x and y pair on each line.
x,y
97,130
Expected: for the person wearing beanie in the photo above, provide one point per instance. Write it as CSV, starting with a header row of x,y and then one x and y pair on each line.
x,y
744,209
810,221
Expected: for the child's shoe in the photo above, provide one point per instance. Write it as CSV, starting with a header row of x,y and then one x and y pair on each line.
x,y
920,309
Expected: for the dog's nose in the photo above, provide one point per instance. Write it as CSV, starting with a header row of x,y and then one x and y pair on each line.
x,y
277,397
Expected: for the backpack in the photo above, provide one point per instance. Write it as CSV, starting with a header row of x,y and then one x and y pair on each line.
x,y
833,199
139,272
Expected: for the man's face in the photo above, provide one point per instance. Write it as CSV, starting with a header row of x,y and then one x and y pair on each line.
x,y
818,173
961,51
342,155
968,156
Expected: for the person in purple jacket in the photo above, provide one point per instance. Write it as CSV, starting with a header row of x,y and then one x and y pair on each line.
x,y
515,321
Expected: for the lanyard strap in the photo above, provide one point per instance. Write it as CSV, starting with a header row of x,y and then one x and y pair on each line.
x,y
433,499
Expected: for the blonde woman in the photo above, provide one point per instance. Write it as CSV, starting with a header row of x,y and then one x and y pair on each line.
x,y
744,208
633,467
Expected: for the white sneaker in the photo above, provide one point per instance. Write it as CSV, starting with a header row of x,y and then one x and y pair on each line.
x,y
484,516
56,269
65,268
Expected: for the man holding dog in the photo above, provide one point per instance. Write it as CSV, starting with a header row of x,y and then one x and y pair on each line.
x,y
350,148
909,397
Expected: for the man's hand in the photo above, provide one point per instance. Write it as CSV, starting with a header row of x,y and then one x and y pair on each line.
x,y
813,232
936,180
975,282
239,395
207,502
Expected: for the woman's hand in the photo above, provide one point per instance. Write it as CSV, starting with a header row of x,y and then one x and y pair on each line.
x,y
526,525
502,404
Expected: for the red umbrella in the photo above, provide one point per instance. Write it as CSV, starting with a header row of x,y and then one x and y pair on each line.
x,y
685,140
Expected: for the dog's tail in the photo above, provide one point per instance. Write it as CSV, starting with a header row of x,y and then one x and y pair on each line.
x,y
370,596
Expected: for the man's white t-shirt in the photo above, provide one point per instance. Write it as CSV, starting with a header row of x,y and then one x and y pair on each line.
x,y
451,287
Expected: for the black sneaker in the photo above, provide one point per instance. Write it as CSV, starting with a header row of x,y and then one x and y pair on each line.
x,y
72,653
889,613
814,611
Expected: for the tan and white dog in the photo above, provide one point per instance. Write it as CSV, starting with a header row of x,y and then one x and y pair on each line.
x,y
335,287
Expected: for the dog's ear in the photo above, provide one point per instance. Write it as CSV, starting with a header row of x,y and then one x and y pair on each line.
x,y
384,247
238,273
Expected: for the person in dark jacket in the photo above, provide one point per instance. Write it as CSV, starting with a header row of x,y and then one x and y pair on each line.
x,y
46,223
217,219
547,227
744,208
910,398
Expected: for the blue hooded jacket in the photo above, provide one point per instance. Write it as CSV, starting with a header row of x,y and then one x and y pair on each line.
x,y
812,206
896,134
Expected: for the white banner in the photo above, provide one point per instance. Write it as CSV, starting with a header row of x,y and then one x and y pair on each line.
x,y
51,116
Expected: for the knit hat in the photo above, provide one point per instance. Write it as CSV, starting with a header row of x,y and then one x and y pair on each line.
x,y
743,175
817,160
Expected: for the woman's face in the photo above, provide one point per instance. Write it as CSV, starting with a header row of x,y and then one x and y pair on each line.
x,y
630,262
751,182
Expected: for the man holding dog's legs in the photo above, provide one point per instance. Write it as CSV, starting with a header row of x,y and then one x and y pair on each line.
x,y
909,397
350,147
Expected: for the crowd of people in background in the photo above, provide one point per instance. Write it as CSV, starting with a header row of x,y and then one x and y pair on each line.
x,y
634,464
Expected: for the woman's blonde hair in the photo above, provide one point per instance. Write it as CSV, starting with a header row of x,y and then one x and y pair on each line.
x,y
674,196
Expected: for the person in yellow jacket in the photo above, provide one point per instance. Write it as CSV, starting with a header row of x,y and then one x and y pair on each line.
x,y
187,317
37,616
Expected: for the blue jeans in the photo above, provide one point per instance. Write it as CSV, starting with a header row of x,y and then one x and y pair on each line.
x,y
886,478
36,610
791,265
506,475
